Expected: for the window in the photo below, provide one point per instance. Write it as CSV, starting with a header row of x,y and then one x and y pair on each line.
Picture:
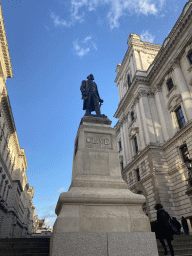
x,y
120,147
135,144
121,166
180,117
184,152
189,56
132,116
129,80
170,84
137,174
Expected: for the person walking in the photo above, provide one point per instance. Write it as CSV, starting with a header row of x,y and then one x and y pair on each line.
x,y
163,228
177,225
185,225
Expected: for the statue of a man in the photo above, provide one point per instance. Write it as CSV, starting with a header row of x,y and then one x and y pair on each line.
x,y
90,96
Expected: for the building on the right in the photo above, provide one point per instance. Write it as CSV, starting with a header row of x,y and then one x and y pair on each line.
x,y
154,131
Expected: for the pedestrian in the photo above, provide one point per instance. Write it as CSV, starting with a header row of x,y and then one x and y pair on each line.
x,y
185,225
163,228
176,223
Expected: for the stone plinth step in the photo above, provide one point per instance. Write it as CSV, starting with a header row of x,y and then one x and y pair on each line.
x,y
187,251
4,245
24,254
24,246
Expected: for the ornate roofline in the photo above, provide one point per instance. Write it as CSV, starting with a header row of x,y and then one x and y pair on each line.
x,y
127,97
4,47
11,124
135,45
169,42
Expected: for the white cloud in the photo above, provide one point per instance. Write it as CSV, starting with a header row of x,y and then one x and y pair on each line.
x,y
147,37
59,22
117,9
80,50
83,51
60,190
94,45
49,223
86,39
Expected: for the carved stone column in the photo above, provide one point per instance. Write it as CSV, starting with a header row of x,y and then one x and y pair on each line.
x,y
146,117
6,182
185,94
165,124
1,184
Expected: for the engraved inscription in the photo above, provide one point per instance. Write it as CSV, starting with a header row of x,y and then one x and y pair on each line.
x,y
95,140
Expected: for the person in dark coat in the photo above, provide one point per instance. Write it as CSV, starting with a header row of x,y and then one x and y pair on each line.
x,y
185,225
163,228
176,223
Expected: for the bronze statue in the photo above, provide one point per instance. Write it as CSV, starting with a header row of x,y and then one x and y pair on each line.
x,y
90,96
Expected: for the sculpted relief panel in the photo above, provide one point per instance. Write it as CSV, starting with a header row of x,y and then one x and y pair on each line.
x,y
98,140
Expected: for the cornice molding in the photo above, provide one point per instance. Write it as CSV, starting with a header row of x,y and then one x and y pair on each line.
x,y
182,132
4,47
183,22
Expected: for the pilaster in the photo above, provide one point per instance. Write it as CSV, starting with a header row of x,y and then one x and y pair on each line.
x,y
184,90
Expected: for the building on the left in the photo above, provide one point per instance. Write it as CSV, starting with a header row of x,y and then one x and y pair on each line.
x,y
16,206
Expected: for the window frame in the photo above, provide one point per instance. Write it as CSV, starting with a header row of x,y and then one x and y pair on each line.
x,y
170,84
120,145
189,56
137,174
183,153
179,117
135,144
129,81
132,116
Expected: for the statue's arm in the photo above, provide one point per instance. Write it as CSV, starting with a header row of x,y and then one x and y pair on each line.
x,y
83,86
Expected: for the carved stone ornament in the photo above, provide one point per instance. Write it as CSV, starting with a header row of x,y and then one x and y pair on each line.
x,y
157,88
120,158
173,102
175,64
145,93
4,176
133,132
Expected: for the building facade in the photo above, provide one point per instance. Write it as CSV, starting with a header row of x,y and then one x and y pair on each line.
x,y
154,131
16,206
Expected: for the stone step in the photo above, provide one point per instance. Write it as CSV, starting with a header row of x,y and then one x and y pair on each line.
x,y
176,242
24,254
36,239
177,246
25,250
23,245
178,252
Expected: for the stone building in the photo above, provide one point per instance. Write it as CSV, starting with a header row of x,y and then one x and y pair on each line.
x,y
154,131
16,207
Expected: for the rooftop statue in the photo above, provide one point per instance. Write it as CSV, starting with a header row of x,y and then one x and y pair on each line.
x,y
90,96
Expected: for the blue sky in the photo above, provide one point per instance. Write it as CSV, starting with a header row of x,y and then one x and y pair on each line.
x,y
54,45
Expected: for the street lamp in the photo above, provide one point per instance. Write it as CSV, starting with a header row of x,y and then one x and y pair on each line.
x,y
188,163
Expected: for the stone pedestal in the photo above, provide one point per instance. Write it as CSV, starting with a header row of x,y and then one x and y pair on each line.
x,y
99,215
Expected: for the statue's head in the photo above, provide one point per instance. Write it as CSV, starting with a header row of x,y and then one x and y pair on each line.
x,y
90,77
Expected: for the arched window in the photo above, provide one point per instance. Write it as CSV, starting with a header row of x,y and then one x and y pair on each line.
x,y
170,84
132,116
129,81
189,56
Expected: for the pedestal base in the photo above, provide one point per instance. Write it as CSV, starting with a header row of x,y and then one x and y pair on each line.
x,y
104,244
